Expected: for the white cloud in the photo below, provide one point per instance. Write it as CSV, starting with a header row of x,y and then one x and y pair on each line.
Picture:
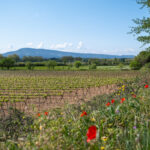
x,y
41,45
30,44
10,47
80,45
64,45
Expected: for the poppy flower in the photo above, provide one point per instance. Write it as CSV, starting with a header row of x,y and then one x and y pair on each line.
x,y
122,100
112,101
108,104
83,114
38,114
46,113
146,86
91,133
133,95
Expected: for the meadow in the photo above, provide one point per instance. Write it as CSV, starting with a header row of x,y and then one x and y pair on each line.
x,y
74,110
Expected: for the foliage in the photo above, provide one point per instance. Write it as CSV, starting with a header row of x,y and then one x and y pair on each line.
x,y
92,66
7,62
77,64
14,57
143,25
124,124
29,65
121,65
14,125
135,65
51,64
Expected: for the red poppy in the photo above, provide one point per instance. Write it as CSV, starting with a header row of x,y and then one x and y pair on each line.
x,y
112,101
108,104
46,113
38,114
146,86
83,114
133,95
122,100
91,133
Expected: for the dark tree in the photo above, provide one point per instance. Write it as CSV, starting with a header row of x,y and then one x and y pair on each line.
x,y
7,62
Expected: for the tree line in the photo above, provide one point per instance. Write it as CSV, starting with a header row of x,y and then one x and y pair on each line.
x,y
31,61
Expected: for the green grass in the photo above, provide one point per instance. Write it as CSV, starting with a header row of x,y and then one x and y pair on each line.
x,y
125,126
115,68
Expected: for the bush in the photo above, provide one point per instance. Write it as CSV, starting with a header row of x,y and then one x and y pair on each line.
x,y
16,124
135,65
51,64
30,65
93,66
77,64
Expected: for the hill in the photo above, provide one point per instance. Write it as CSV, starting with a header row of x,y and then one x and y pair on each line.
x,y
45,53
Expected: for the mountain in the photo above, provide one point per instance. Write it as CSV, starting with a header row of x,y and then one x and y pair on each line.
x,y
57,54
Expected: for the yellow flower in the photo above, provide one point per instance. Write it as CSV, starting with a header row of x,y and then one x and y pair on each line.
x,y
110,130
102,147
93,119
41,127
104,138
61,113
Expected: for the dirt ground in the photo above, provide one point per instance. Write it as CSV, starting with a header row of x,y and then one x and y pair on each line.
x,y
42,104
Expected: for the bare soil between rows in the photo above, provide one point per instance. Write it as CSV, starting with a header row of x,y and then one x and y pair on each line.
x,y
77,96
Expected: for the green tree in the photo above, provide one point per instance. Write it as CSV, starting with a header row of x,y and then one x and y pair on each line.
x,y
121,65
92,66
135,65
51,64
143,25
77,64
14,57
29,65
7,62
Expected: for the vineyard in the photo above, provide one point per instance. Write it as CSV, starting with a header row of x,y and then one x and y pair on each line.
x,y
48,89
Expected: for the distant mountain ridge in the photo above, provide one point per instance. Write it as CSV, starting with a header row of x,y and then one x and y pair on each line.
x,y
45,53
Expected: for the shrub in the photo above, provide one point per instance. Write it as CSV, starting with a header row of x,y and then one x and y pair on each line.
x,y
93,66
30,65
135,65
77,64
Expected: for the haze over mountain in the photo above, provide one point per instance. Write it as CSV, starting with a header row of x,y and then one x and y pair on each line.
x,y
45,53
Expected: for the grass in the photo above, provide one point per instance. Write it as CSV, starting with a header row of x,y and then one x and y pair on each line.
x,y
120,126
61,68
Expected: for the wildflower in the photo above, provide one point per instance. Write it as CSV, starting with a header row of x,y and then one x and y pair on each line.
x,y
108,104
93,119
112,101
122,100
102,147
133,95
117,111
134,127
104,138
83,114
46,113
146,86
91,133
41,127
38,114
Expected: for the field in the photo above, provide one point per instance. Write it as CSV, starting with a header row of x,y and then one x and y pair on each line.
x,y
86,67
50,103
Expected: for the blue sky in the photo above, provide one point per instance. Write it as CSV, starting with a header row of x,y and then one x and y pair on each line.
x,y
93,26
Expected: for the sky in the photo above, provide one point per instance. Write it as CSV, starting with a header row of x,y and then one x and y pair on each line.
x,y
86,26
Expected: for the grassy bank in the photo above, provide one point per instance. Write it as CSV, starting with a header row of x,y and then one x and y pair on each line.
x,y
121,120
